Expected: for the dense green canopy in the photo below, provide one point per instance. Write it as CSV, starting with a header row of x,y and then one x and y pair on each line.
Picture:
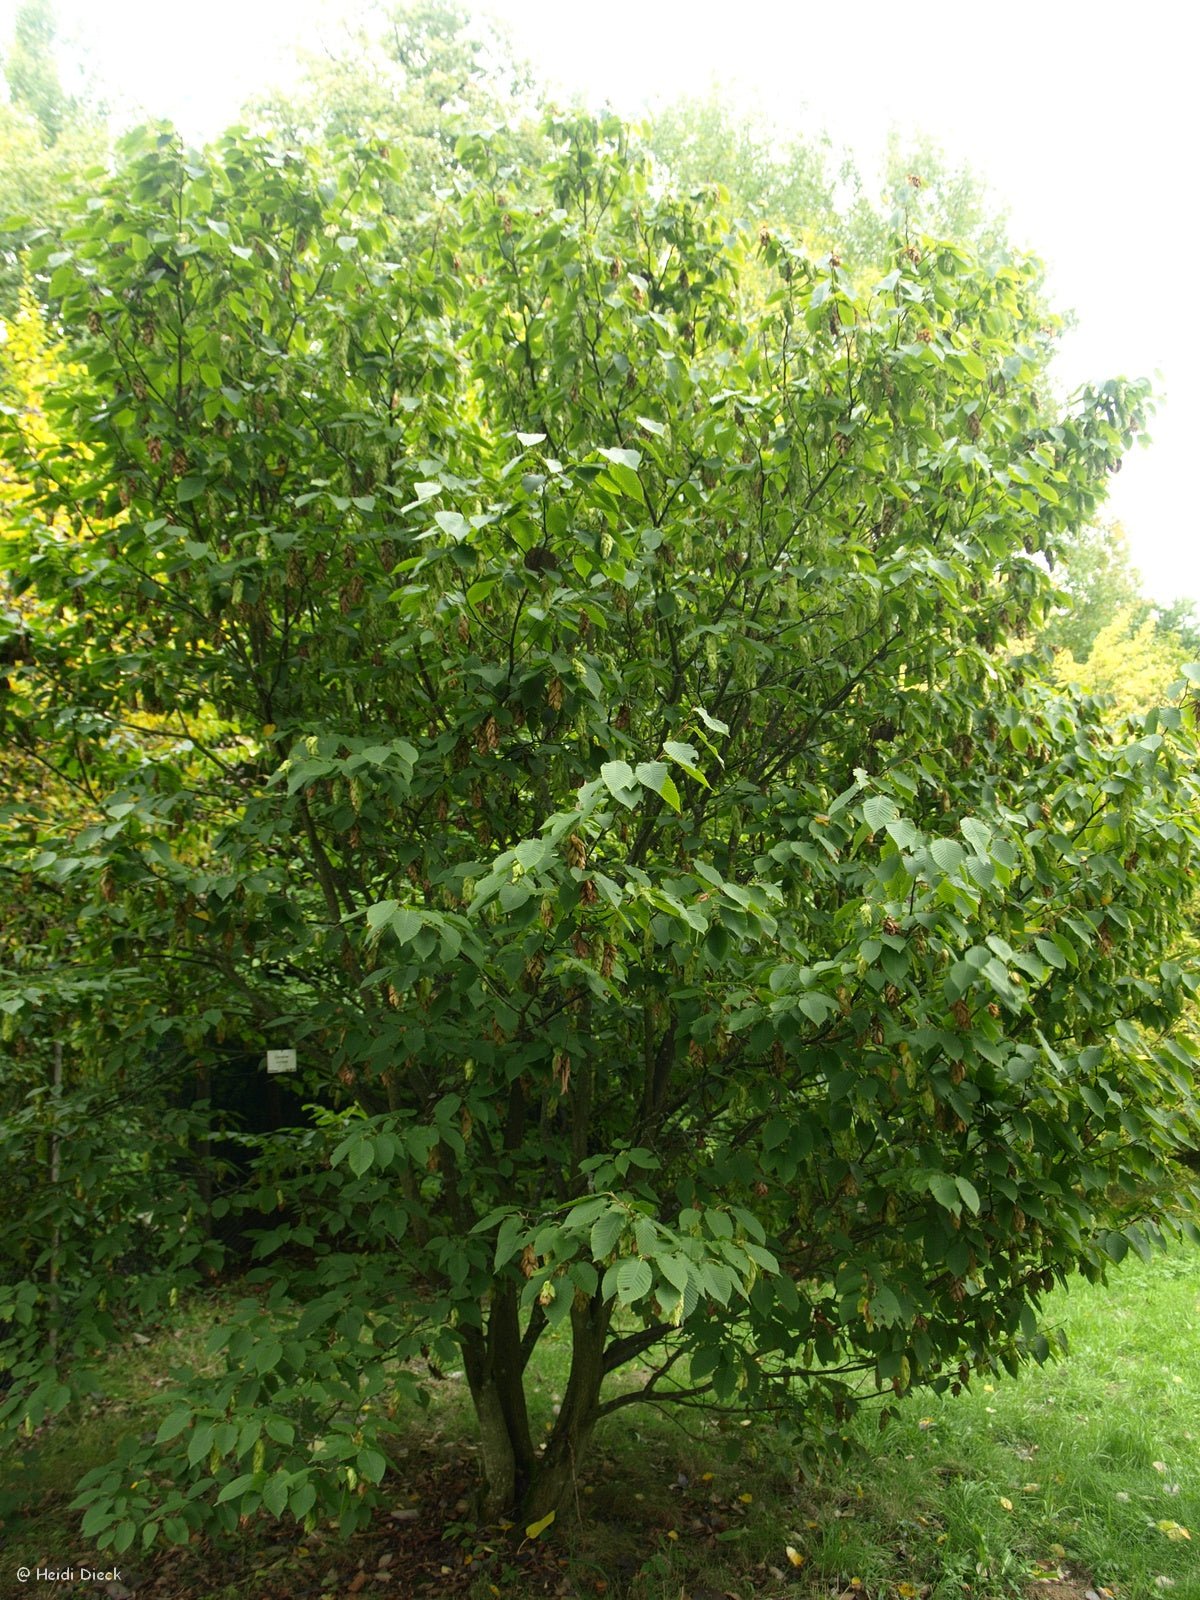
x,y
562,676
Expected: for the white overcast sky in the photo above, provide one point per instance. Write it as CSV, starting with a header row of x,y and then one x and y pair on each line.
x,y
1082,117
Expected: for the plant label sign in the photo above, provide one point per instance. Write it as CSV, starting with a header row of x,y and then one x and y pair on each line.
x,y
281,1061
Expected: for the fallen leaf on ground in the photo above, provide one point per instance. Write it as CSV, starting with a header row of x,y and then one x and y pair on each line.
x,y
1173,1530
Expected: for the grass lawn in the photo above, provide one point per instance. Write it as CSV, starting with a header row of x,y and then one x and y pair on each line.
x,y
1083,1476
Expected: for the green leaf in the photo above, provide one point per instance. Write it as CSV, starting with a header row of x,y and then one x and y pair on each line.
x,y
878,811
1051,954
508,1240
362,1154
905,834
713,724
685,756
606,1230
634,1279
380,914
969,1193
618,779
236,1488
626,480
99,1517
200,1444
406,924
453,523
948,854
655,776
762,1257
945,1191
268,1353
173,1425
302,1498
815,1006
674,1269
775,1132
627,458
275,1493
977,834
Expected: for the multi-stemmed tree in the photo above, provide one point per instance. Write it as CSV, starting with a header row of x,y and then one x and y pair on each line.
x,y
565,685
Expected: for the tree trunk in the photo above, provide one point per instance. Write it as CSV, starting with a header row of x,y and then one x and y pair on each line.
x,y
558,1464
204,1173
499,1459
518,1483
56,1236
495,1374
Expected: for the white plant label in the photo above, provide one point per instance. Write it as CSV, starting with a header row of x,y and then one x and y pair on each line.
x,y
281,1061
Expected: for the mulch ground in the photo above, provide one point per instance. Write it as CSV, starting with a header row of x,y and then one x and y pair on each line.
x,y
420,1545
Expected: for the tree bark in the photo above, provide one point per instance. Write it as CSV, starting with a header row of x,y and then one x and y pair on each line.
x,y
519,1483
556,1467
508,1367
497,1457
494,1367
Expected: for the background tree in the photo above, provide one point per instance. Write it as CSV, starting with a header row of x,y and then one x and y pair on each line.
x,y
414,76
48,139
31,69
100,1148
804,182
1110,638
1132,664
595,743
770,177
1100,583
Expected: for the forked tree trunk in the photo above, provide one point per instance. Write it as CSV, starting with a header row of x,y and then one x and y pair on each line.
x,y
494,1369
519,1483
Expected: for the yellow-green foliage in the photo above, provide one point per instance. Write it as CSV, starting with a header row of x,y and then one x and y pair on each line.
x,y
31,360
1133,664
25,350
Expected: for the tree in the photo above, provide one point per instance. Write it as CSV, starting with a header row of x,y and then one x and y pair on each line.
x,y
1099,583
31,70
769,176
1109,637
412,80
1132,664
103,1220
598,748
802,181
47,141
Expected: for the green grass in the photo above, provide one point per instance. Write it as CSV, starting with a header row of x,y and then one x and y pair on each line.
x,y
1074,1476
